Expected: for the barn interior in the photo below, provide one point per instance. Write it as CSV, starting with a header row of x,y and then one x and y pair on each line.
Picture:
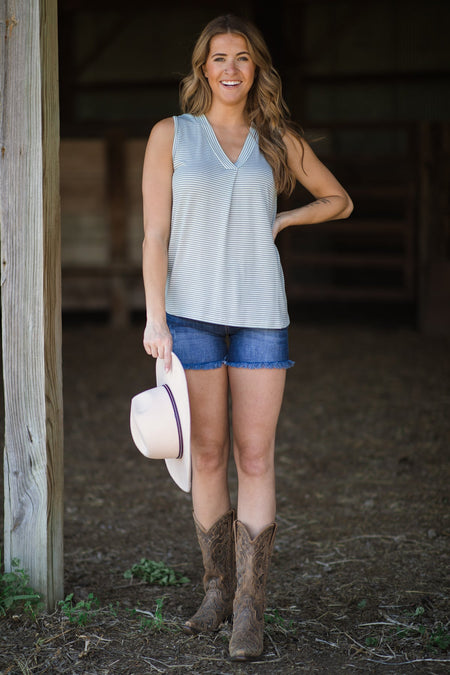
x,y
367,81
362,554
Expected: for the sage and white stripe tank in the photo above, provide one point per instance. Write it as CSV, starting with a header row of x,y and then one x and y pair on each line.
x,y
223,264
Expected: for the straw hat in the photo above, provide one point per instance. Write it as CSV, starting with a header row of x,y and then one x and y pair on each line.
x,y
160,422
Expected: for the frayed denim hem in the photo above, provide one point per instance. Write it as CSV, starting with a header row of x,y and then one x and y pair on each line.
x,y
271,364
211,365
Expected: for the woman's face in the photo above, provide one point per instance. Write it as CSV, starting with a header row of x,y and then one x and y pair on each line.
x,y
229,68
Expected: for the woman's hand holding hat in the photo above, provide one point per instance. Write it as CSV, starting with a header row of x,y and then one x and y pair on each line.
x,y
158,342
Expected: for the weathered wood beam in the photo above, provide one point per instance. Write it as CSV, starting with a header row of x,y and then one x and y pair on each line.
x,y
31,292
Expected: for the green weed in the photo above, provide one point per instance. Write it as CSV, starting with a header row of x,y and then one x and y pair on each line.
x,y
82,612
437,637
371,641
156,621
155,573
417,630
440,638
16,594
274,618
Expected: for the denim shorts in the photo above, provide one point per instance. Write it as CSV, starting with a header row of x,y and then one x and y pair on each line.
x,y
203,346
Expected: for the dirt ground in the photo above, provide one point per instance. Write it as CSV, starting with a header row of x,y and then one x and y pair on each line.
x,y
359,578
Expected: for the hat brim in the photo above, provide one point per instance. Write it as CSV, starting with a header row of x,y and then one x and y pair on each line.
x,y
179,469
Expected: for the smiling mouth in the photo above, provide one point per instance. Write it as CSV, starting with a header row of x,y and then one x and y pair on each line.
x,y
230,83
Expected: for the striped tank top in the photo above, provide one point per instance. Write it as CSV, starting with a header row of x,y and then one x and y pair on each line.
x,y
223,264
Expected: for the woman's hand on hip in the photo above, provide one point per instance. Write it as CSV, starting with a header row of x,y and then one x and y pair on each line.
x,y
158,342
279,224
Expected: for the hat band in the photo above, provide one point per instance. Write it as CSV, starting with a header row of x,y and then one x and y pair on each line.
x,y
177,419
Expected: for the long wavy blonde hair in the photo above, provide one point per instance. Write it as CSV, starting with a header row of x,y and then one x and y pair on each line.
x,y
266,110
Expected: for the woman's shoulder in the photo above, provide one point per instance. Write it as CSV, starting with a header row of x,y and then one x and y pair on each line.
x,y
161,138
293,140
164,129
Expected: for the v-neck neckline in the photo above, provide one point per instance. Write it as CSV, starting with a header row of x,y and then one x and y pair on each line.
x,y
246,149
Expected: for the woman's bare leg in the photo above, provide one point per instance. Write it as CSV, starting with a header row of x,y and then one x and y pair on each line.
x,y
256,396
208,396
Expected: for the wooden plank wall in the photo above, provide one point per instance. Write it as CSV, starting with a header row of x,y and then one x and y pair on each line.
x,y
101,213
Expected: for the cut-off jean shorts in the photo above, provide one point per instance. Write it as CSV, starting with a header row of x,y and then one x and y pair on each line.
x,y
204,346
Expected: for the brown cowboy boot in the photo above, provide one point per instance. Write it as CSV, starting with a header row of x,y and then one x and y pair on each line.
x,y
252,564
219,581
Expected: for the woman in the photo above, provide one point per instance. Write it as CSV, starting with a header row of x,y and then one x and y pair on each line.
x,y
215,295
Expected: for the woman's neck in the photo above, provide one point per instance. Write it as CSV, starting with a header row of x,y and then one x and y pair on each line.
x,y
227,116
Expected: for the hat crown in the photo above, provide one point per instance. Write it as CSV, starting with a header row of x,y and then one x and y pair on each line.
x,y
160,421
155,430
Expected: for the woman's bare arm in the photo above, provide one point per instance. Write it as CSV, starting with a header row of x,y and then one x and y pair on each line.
x,y
157,206
331,200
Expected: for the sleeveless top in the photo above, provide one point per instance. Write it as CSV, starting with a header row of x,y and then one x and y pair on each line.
x,y
223,264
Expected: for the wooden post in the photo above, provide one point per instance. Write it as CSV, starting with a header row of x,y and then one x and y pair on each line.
x,y
31,292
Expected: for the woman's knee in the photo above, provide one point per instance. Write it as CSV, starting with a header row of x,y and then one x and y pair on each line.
x,y
210,457
254,460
